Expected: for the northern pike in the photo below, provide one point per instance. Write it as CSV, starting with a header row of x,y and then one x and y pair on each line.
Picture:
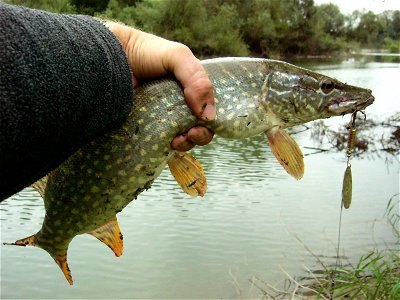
x,y
253,96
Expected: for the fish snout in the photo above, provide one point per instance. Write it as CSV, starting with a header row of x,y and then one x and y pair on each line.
x,y
344,104
367,101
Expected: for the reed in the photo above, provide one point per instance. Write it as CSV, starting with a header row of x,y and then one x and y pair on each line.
x,y
375,276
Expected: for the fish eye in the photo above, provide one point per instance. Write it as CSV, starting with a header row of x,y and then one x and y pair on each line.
x,y
327,86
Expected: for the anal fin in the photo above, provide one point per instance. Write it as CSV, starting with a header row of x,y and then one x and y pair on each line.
x,y
287,152
61,261
110,234
189,174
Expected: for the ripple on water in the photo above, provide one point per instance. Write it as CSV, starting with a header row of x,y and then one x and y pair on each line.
x,y
249,223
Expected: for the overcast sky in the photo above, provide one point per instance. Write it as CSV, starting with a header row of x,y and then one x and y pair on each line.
x,y
377,6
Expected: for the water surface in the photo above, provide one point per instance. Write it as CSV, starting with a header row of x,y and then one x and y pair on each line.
x,y
246,225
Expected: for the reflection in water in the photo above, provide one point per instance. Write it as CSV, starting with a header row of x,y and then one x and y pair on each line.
x,y
248,225
374,138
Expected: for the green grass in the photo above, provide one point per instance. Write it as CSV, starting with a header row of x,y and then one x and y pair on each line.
x,y
375,276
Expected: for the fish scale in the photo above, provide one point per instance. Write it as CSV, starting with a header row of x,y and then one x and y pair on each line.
x,y
253,96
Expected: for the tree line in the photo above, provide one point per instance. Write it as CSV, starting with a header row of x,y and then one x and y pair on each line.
x,y
268,28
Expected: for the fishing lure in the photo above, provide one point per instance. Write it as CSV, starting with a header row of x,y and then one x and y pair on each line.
x,y
347,188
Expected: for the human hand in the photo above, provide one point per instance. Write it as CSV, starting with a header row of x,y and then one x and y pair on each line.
x,y
150,56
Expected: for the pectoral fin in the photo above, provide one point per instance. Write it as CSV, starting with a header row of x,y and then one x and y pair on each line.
x,y
189,174
286,150
110,234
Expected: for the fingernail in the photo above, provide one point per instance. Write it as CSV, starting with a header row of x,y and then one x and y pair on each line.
x,y
208,113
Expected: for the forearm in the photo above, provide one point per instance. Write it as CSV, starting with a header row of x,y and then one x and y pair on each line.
x,y
63,80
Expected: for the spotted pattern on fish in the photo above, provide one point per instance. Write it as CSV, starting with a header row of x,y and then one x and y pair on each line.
x,y
252,96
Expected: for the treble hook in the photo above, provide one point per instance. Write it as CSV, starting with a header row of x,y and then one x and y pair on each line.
x,y
354,116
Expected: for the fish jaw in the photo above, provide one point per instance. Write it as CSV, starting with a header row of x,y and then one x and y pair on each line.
x,y
345,104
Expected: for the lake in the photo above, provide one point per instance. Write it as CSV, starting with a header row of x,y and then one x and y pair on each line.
x,y
254,221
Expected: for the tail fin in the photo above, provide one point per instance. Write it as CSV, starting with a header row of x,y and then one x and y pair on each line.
x,y
28,241
60,259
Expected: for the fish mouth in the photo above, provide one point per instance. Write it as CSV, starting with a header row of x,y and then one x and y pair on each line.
x,y
343,105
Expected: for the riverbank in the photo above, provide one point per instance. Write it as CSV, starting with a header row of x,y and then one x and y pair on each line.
x,y
375,276
377,55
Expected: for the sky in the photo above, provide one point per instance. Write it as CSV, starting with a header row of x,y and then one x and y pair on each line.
x,y
377,6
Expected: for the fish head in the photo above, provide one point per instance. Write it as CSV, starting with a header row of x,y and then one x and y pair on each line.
x,y
296,95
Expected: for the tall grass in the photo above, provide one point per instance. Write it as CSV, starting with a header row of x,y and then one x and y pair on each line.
x,y
375,276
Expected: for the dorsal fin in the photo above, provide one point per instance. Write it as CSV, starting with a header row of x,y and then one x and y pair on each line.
x,y
60,259
40,186
287,152
110,234
189,174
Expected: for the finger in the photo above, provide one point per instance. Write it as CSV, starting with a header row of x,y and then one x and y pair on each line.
x,y
182,143
200,135
197,86
162,57
199,97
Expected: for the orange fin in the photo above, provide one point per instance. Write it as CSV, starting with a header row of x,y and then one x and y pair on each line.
x,y
286,150
40,186
61,260
110,234
189,174
28,241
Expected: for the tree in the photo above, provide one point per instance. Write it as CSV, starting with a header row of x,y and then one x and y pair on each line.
x,y
116,10
62,6
207,32
258,27
90,7
298,28
370,30
331,18
160,17
394,26
225,37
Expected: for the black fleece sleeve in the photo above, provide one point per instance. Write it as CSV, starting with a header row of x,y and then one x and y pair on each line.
x,y
64,79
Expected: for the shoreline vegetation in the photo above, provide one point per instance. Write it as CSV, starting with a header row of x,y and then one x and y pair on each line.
x,y
290,30
375,276
261,28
